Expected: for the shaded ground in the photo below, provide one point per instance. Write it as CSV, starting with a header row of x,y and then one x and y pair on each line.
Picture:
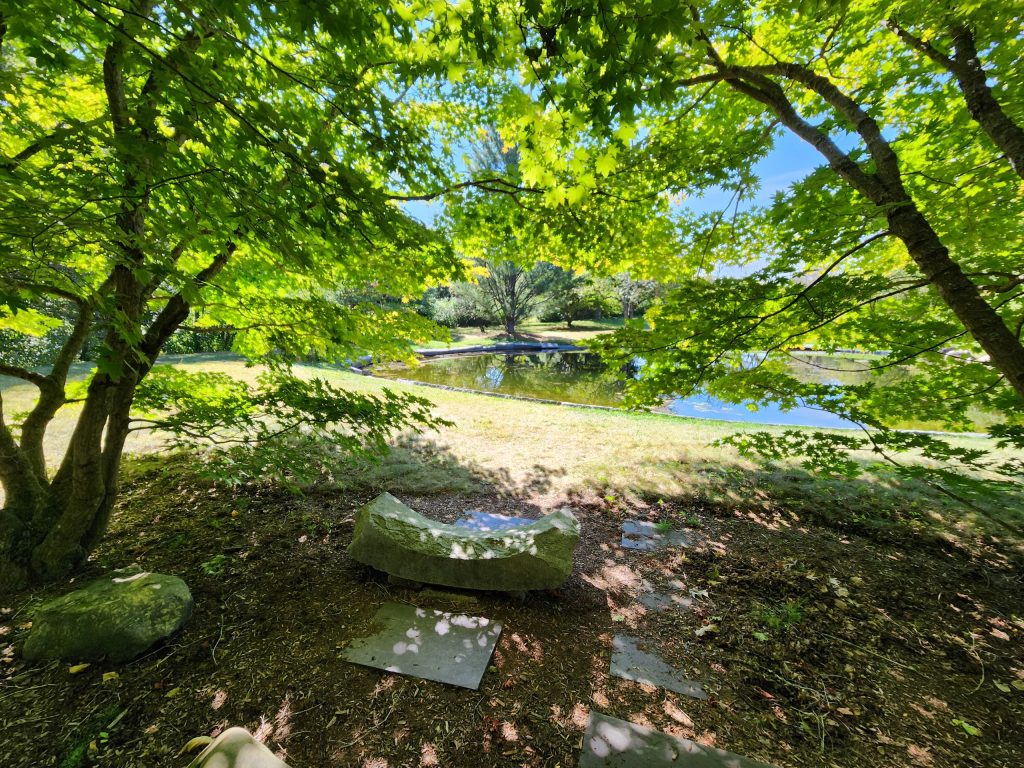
x,y
819,645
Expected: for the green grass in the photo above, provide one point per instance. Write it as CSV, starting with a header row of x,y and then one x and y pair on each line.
x,y
778,616
550,453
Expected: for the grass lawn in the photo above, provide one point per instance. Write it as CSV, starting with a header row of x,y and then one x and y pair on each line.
x,y
553,453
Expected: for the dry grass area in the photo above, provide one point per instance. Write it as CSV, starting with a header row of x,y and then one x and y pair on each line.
x,y
549,453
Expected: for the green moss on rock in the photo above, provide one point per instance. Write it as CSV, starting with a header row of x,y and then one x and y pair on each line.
x,y
114,618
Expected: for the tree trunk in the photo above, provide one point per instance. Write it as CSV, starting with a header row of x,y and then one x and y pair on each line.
x,y
982,104
960,293
884,187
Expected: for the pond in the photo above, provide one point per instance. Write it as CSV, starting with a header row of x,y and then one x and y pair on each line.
x,y
581,377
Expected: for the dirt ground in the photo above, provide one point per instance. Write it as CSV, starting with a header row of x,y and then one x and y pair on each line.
x,y
818,646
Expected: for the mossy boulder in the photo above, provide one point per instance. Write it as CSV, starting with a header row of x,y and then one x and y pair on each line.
x,y
115,618
393,538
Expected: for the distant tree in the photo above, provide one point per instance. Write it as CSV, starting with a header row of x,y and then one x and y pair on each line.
x,y
573,296
459,304
510,291
634,295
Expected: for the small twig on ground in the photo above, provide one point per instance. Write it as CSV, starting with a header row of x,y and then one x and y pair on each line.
x,y
220,636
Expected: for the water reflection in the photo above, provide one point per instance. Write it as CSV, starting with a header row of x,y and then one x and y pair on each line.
x,y
573,377
581,377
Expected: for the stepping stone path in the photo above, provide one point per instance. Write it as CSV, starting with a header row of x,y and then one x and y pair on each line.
x,y
630,662
420,642
457,649
648,537
613,743
487,521
662,603
236,748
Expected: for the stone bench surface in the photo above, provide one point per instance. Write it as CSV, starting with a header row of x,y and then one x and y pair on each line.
x,y
393,538
236,748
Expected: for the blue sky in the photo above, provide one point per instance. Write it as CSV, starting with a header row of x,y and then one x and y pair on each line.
x,y
790,160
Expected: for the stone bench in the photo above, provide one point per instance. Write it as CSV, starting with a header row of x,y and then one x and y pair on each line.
x,y
397,540
236,748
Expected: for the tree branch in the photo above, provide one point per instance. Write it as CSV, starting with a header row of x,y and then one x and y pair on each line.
x,y
491,185
866,126
965,65
53,139
177,308
753,82
22,373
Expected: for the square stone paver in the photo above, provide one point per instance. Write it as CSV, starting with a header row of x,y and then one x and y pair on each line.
x,y
475,520
445,647
630,662
613,743
646,537
656,601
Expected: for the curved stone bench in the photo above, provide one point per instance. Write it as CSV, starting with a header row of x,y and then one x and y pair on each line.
x,y
393,538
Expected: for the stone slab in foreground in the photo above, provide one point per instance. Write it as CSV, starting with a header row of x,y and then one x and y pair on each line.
x,y
444,647
236,748
649,537
631,662
114,618
393,538
613,743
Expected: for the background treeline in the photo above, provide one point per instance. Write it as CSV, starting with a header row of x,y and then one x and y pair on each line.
x,y
502,296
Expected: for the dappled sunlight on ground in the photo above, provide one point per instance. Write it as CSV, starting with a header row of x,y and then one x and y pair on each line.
x,y
820,625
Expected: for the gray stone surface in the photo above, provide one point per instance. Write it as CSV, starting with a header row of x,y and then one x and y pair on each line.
x,y
487,521
613,743
236,748
399,541
420,642
645,536
656,601
631,662
114,618
664,602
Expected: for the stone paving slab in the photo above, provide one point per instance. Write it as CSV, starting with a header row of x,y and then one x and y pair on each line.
x,y
646,537
656,601
421,642
630,662
613,743
475,520
236,748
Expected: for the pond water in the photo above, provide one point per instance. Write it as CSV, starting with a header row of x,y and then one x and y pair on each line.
x,y
580,377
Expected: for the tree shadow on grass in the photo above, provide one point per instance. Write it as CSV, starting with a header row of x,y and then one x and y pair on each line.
x,y
419,465
878,503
